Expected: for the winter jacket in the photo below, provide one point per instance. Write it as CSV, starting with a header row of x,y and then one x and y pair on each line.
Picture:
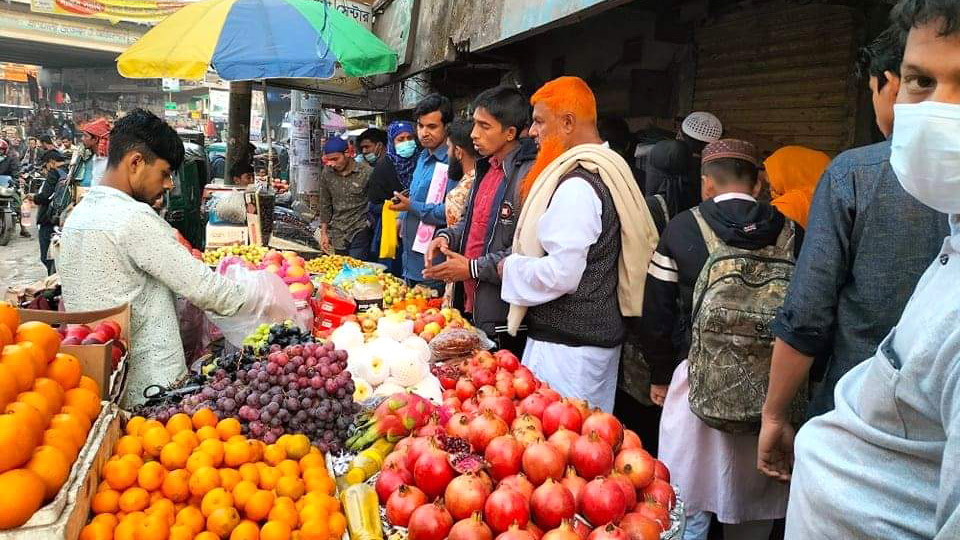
x,y
489,311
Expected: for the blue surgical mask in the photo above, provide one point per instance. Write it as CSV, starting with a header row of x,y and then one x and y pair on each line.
x,y
371,158
406,149
359,159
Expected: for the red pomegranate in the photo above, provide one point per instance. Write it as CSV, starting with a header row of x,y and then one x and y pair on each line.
x,y
482,377
582,528
626,486
534,530
404,444
520,483
391,477
637,465
574,484
484,359
549,393
504,384
543,460
471,406
453,402
507,360
402,503
516,533
561,413
552,503
432,427
602,501
563,438
433,472
639,527
471,528
534,405
564,532
484,428
608,532
631,440
660,471
524,421
654,511
504,507
591,456
487,391
504,454
459,425
606,426
397,459
661,492
465,389
501,406
465,495
528,436
416,449
524,383
430,522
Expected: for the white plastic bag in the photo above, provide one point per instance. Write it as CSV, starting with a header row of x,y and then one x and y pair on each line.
x,y
268,301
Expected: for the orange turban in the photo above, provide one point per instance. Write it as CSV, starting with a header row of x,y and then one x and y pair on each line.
x,y
793,172
99,128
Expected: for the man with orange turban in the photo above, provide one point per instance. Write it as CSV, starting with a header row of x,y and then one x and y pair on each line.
x,y
581,248
93,160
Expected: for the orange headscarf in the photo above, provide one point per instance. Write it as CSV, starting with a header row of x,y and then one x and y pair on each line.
x,y
794,172
100,128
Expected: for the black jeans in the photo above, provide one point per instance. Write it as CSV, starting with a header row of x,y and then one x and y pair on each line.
x,y
359,247
46,233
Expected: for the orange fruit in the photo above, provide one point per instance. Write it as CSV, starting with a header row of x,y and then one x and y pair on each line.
x,y
174,456
9,315
180,532
256,449
242,492
110,519
162,506
85,400
312,461
120,474
41,334
206,535
313,512
21,494
246,530
96,531
154,440
15,433
222,522
134,424
289,467
250,472
229,427
285,511
275,530
192,517
203,480
134,460
176,485
39,358
213,448
104,502
30,416
155,497
236,453
179,422
199,460
52,467
9,386
148,425
88,383
38,402
128,444
337,524
319,480
153,527
229,478
20,362
151,476
204,417
290,486
66,370
259,504
297,446
215,499
51,390
73,425
6,336
208,432
63,441
188,439
269,476
134,499
316,529
126,529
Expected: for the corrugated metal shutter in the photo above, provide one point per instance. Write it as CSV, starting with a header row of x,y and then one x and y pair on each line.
x,y
781,74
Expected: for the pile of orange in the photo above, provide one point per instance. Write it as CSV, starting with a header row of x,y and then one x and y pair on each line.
x,y
48,409
200,478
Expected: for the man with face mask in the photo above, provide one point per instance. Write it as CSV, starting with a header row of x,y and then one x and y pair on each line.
x,y
344,225
883,463
116,249
373,146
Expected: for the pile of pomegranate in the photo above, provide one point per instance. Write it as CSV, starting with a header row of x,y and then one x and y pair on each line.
x,y
509,458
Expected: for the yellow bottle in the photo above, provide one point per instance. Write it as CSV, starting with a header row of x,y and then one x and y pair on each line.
x,y
362,510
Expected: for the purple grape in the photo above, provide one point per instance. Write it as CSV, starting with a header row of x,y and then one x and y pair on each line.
x,y
265,416
334,369
273,407
269,438
263,386
264,399
325,372
228,405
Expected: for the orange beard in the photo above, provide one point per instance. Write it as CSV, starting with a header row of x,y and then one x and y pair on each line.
x,y
550,149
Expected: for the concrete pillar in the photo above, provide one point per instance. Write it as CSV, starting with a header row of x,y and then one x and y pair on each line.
x,y
238,127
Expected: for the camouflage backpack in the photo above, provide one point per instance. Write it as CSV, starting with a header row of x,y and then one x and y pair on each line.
x,y
736,298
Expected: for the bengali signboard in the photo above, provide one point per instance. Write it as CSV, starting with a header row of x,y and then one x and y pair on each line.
x,y
140,11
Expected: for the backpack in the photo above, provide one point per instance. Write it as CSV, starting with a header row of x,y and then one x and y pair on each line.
x,y
62,199
736,297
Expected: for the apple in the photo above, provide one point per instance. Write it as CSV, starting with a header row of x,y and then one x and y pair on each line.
x,y
95,338
432,328
106,330
419,325
116,353
117,329
79,330
431,311
427,336
71,340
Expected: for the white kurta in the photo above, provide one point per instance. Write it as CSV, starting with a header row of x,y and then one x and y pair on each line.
x,y
570,225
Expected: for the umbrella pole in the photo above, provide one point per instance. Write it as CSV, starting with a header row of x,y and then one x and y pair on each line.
x,y
238,127
266,118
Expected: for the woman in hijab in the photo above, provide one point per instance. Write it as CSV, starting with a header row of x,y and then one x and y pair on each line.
x,y
668,189
793,173
391,175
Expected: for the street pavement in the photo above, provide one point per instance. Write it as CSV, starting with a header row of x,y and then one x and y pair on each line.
x,y
20,262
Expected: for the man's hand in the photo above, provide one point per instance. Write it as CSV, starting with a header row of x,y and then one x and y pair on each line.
x,y
456,268
323,239
437,244
401,206
500,264
775,448
658,393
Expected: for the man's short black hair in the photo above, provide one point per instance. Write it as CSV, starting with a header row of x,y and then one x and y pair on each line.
x,y
459,133
143,131
725,171
883,54
373,135
238,169
432,103
46,139
909,14
52,155
507,105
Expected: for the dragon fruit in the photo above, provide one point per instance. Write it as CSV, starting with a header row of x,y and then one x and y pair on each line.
x,y
398,416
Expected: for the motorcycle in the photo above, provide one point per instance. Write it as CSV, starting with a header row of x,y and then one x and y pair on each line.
x,y
9,209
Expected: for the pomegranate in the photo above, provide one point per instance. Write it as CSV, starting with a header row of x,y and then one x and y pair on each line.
x,y
660,471
524,383
631,440
549,393
637,465
453,402
626,486
391,477
472,528
430,522
516,533
520,483
602,501
504,507
450,392
562,438
654,511
534,405
661,492
504,384
528,436
606,426
465,389
534,530
507,360
524,421
561,413
591,456
402,503
482,377
459,426
564,532
639,527
433,472
471,406
465,495
608,532
404,444
574,484
582,528
552,503
431,428
484,428
503,454
582,406
397,459
487,391
486,360
416,449
543,460
501,406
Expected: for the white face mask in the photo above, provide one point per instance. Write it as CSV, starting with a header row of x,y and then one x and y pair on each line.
x,y
925,153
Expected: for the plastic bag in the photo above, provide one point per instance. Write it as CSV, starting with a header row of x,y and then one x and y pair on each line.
x,y
268,301
349,274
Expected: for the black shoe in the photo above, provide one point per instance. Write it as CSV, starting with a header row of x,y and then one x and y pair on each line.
x,y
25,233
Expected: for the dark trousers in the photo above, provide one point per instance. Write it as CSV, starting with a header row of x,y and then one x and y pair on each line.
x,y
515,344
359,246
46,233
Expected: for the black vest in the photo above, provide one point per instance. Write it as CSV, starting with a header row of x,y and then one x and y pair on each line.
x,y
591,314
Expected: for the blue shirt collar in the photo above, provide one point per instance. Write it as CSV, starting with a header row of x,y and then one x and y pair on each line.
x,y
440,154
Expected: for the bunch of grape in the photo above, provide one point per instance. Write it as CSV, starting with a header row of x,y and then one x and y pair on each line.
x,y
259,338
267,335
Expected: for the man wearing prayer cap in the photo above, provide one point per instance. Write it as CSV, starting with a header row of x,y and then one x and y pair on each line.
x,y
344,224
